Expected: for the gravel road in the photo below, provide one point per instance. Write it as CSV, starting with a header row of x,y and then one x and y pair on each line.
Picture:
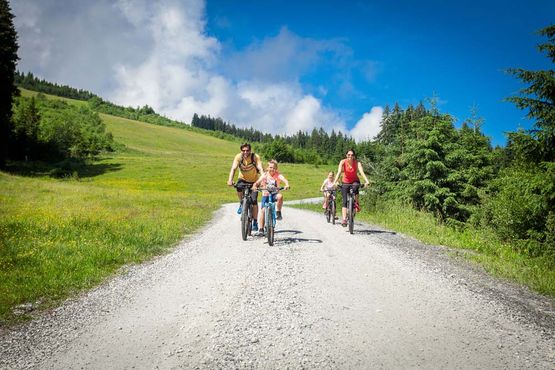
x,y
320,298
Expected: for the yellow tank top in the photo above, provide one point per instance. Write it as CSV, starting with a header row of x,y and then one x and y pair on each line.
x,y
247,167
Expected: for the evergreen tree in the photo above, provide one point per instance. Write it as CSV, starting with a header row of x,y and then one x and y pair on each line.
x,y
8,60
539,97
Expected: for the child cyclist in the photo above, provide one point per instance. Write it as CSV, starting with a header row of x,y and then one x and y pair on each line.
x,y
271,177
327,186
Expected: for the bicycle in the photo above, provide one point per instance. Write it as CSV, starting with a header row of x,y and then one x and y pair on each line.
x,y
331,208
246,205
351,212
270,213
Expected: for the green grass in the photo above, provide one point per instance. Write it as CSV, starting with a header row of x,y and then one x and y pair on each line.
x,y
496,257
60,236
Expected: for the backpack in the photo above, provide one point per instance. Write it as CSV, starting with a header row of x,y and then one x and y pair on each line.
x,y
253,161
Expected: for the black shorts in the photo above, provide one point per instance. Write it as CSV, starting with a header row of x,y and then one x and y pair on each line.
x,y
254,194
345,189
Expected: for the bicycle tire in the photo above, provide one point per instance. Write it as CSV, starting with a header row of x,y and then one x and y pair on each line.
x,y
245,218
328,211
351,215
250,219
332,211
270,225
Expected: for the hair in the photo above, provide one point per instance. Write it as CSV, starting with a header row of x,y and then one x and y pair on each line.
x,y
245,145
332,173
351,150
274,162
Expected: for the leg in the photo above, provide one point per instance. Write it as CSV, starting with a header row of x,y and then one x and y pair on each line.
x,y
344,191
261,221
279,201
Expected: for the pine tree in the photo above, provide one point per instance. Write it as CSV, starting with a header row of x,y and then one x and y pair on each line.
x,y
539,97
8,60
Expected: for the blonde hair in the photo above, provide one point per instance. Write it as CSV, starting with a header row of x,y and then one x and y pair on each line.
x,y
274,162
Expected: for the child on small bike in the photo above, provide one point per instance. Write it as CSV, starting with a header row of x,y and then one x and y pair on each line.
x,y
270,178
327,186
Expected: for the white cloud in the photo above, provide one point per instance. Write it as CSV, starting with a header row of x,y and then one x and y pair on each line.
x,y
369,125
157,53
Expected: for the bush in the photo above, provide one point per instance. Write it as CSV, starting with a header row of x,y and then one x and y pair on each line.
x,y
57,130
519,212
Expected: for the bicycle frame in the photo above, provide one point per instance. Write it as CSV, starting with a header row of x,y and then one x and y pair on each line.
x,y
351,207
270,217
246,215
331,206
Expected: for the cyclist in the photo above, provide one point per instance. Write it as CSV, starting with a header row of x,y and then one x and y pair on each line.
x,y
349,166
250,167
327,186
271,177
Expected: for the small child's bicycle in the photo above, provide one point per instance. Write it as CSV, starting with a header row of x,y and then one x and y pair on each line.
x,y
270,212
331,208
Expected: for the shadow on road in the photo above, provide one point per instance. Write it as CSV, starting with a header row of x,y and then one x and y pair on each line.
x,y
293,240
372,232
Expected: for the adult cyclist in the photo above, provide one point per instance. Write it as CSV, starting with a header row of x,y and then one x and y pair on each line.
x,y
349,167
250,168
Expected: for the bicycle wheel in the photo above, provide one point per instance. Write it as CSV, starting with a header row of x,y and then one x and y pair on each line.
x,y
332,211
245,218
328,211
250,219
270,225
350,214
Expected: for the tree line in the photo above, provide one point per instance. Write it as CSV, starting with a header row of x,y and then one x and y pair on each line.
x,y
316,147
30,82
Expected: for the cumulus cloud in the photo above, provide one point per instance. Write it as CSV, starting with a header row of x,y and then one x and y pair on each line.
x,y
157,53
369,125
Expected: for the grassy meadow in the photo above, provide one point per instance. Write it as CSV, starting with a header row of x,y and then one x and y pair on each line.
x,y
60,236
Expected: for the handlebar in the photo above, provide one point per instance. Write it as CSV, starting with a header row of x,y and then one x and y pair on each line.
x,y
242,186
271,190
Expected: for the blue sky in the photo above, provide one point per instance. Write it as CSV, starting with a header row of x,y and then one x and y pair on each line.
x,y
284,66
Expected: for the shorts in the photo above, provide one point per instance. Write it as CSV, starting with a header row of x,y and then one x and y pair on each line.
x,y
266,199
254,194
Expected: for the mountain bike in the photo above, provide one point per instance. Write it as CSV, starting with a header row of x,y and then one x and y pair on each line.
x,y
246,205
331,208
351,212
270,213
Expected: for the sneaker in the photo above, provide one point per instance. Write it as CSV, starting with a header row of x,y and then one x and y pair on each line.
x,y
278,216
260,233
239,210
357,207
344,223
254,226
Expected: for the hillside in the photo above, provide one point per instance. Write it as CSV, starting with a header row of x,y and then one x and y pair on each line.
x,y
63,235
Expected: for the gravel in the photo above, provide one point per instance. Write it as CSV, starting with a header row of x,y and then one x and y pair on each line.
x,y
320,298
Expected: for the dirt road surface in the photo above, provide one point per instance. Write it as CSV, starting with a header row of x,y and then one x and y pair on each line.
x,y
320,298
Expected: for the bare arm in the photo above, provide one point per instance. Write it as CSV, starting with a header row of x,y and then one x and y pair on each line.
x,y
259,164
234,166
282,178
361,170
324,183
259,181
339,171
